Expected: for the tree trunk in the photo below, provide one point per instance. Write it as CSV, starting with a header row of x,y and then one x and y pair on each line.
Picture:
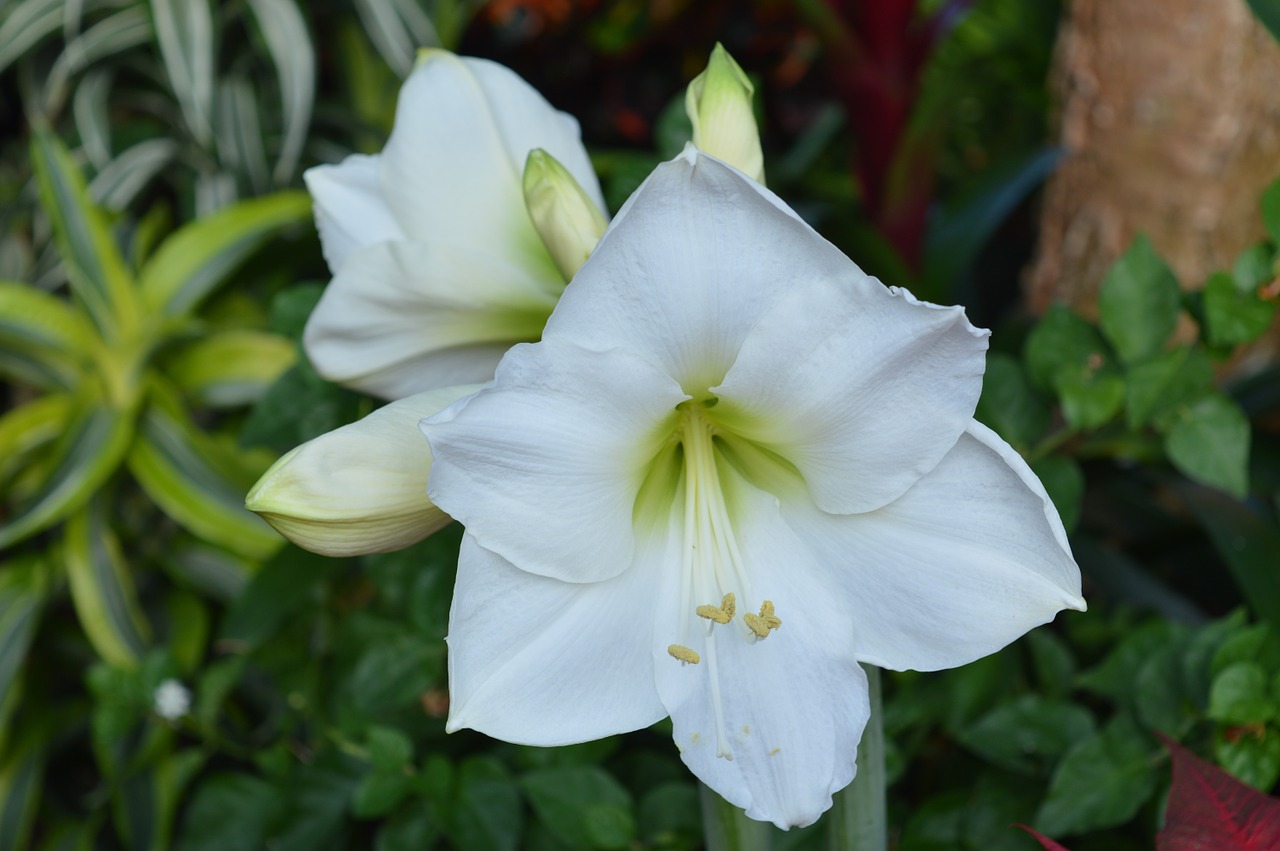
x,y
1170,124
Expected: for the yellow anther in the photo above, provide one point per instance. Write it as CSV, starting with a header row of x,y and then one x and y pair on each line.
x,y
684,654
761,624
720,614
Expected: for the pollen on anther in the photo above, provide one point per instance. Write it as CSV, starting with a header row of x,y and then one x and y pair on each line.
x,y
762,623
719,614
684,654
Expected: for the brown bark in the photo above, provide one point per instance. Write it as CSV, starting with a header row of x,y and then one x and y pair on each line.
x,y
1170,121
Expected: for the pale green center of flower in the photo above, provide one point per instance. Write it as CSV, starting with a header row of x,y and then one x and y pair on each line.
x,y
712,567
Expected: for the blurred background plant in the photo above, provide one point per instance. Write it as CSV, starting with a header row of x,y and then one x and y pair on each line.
x,y
171,675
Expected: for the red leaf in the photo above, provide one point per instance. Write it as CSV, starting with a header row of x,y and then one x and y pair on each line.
x,y
1209,810
1049,844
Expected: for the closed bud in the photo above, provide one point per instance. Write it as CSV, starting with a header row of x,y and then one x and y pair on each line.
x,y
718,102
564,215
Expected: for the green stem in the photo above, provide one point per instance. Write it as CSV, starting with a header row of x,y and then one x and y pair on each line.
x,y
727,828
857,820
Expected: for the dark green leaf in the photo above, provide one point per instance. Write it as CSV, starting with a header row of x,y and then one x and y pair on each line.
x,y
1064,481
380,792
21,776
1210,444
1160,387
1252,754
1234,316
581,805
1139,302
1241,694
487,812
229,811
669,815
1052,661
1102,782
388,747
1066,354
411,830
279,589
1020,735
1268,11
315,804
1248,540
1009,404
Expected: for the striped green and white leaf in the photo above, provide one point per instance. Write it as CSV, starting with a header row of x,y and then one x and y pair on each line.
x,y
85,455
37,326
21,774
114,34
239,133
121,180
232,367
23,590
25,24
184,30
93,263
213,571
28,428
102,588
183,473
397,29
90,108
201,256
285,33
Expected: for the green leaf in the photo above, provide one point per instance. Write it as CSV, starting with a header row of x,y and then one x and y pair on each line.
x,y
1139,302
28,427
231,368
26,24
200,256
85,456
1248,541
120,181
389,748
1257,643
1241,695
95,269
229,811
280,589
21,775
181,471
1067,355
1268,12
23,589
412,830
1210,444
1253,267
1027,731
1234,316
102,588
581,806
1064,481
1159,387
1103,781
380,792
44,328
1271,198
487,811
1010,404
285,32
185,31
1251,754
298,407
107,37
315,805
147,800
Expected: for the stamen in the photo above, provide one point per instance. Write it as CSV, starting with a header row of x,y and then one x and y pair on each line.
x,y
722,741
684,654
762,623
720,614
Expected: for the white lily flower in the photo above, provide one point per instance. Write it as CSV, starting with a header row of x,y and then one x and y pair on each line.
x,y
437,267
734,468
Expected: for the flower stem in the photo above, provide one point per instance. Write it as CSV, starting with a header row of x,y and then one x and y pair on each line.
x,y
857,820
727,828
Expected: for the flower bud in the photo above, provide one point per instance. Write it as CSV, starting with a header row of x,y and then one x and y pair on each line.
x,y
718,102
361,488
564,215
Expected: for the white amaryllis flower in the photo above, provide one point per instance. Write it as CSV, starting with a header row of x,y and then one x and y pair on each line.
x,y
437,267
734,468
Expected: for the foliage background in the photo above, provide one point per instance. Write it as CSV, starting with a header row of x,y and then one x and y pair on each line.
x,y
158,264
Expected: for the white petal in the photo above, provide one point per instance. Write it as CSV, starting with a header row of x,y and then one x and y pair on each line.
x,y
863,388
403,317
361,488
350,212
544,467
688,267
538,661
794,704
451,170
966,561
526,121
